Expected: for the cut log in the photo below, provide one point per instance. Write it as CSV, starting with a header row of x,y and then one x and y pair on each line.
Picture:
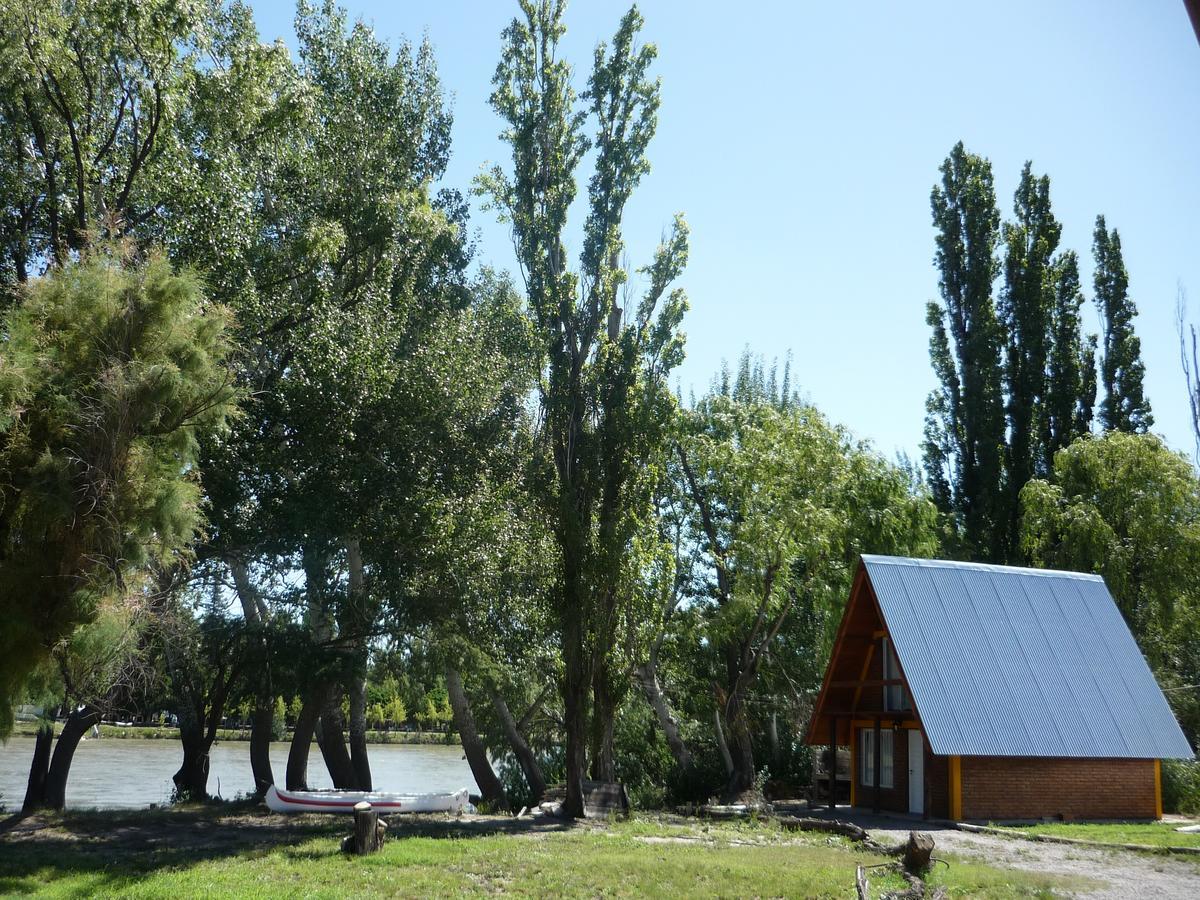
x,y
861,885
368,836
917,852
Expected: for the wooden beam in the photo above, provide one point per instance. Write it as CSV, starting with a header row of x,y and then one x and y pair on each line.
x,y
889,714
1158,789
833,762
813,736
853,766
863,674
956,788
866,682
879,759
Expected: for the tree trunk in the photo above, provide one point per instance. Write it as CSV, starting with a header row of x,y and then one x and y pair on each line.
x,y
358,732
332,740
575,690
648,676
191,781
262,726
721,745
489,785
774,737
525,757
603,722
302,735
75,728
741,747
262,722
35,791
363,620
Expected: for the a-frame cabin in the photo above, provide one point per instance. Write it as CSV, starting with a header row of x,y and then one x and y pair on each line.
x,y
969,691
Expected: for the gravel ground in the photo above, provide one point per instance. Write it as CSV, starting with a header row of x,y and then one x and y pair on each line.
x,y
1123,873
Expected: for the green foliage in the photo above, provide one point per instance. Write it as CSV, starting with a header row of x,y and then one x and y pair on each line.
x,y
279,720
1125,506
778,504
604,400
111,372
1125,407
1071,375
1181,786
91,95
964,423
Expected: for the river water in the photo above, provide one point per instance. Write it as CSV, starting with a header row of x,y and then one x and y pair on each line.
x,y
131,773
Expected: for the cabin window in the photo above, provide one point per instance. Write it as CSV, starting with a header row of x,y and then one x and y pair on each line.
x,y
866,758
893,694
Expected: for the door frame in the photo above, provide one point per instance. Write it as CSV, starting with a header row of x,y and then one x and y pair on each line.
x,y
916,772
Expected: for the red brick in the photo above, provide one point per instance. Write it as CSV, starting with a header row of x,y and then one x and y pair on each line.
x,y
998,788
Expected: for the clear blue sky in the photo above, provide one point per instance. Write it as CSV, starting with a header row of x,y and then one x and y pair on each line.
x,y
802,139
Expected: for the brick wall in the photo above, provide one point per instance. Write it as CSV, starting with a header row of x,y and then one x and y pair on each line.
x,y
999,788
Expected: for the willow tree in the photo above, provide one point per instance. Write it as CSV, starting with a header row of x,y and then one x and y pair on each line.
x,y
1128,507
779,504
603,394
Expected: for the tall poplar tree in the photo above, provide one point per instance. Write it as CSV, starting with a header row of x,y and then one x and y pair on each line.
x,y
1025,314
605,402
1124,407
964,423
1071,368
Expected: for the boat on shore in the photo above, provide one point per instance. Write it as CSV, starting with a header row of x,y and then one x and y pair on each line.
x,y
284,801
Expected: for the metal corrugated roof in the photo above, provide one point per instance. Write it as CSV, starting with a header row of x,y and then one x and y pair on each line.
x,y
1003,661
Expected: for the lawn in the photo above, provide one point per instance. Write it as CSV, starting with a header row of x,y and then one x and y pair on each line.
x,y
238,851
1154,834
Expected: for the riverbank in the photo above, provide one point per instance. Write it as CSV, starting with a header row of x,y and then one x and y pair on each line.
x,y
132,774
166,733
238,849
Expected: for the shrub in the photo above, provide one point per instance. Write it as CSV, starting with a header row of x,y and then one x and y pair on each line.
x,y
1181,786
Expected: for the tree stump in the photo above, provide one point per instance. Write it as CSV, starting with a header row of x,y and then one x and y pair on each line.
x,y
917,852
368,836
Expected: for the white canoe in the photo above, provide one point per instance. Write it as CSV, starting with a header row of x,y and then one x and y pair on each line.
x,y
343,801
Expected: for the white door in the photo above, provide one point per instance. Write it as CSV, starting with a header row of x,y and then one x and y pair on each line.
x,y
916,772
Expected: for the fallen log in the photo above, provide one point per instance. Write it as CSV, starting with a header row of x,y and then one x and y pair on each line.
x,y
861,884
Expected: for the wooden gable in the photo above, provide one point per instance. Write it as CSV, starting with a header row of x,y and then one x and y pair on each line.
x,y
854,684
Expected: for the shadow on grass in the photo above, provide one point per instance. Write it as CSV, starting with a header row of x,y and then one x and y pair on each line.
x,y
103,851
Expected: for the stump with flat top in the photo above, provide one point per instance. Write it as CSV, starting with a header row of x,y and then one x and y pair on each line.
x,y
917,851
368,830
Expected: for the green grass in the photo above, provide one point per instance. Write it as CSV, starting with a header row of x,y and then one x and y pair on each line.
x,y
1152,834
234,851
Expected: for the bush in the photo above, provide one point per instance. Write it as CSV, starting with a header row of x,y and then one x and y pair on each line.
x,y
1181,786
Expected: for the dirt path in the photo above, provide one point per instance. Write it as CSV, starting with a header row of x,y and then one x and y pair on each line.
x,y
1124,874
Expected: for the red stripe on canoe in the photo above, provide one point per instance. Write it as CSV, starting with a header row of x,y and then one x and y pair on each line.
x,y
346,804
